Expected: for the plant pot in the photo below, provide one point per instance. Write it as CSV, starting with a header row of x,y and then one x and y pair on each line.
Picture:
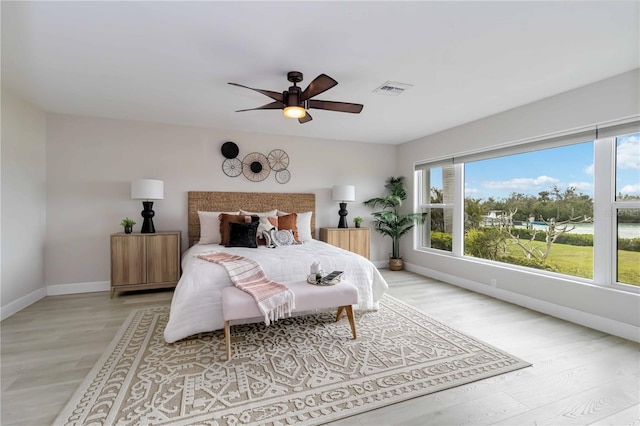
x,y
128,229
357,224
396,264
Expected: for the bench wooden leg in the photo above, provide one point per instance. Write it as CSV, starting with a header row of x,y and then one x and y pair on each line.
x,y
352,322
227,339
339,314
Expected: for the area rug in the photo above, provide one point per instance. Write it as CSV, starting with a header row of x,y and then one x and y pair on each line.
x,y
303,370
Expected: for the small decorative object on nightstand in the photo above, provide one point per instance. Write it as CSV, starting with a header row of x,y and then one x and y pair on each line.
x,y
128,225
144,261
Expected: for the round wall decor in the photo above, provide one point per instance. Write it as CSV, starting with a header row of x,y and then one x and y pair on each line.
x,y
278,160
283,176
232,167
229,150
255,167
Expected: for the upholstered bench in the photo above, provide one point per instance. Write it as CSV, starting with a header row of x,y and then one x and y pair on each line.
x,y
239,305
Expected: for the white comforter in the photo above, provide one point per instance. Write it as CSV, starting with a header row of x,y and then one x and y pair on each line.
x,y
196,305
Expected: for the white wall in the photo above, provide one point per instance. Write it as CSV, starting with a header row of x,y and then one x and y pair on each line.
x,y
609,99
91,162
23,221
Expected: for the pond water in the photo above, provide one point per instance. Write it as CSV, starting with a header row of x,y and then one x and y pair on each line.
x,y
625,230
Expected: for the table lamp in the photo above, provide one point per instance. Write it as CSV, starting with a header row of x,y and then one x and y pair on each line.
x,y
147,189
343,193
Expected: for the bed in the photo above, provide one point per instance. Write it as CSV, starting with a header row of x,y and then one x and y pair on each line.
x,y
196,305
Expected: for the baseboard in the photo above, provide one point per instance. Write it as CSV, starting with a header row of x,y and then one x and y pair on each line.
x,y
606,325
59,289
381,264
21,303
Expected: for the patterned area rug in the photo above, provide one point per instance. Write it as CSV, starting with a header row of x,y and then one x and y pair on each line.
x,y
305,370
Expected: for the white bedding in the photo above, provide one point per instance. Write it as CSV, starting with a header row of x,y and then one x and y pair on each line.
x,y
196,305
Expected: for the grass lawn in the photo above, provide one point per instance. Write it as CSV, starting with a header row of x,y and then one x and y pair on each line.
x,y
629,267
578,261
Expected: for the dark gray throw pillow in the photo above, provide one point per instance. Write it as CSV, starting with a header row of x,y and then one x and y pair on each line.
x,y
243,234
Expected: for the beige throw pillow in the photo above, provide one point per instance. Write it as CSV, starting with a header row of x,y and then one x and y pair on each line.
x,y
210,227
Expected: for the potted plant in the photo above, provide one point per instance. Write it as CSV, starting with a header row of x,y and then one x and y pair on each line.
x,y
389,221
357,220
128,225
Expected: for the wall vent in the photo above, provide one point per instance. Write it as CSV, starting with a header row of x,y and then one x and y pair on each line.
x,y
392,88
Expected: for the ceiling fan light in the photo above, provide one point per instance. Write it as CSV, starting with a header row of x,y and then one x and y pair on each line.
x,y
294,112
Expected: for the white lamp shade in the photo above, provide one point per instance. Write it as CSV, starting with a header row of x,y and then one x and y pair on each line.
x,y
344,193
147,189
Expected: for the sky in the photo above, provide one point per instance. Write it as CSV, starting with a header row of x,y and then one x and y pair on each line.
x,y
531,173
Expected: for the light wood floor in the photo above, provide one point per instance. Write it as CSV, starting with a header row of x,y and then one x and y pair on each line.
x,y
579,376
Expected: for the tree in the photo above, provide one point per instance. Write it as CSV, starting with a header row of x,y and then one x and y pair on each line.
x,y
472,213
543,196
437,215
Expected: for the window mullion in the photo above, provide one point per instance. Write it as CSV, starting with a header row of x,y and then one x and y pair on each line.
x,y
603,211
457,244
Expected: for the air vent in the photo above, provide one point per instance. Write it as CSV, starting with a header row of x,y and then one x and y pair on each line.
x,y
392,88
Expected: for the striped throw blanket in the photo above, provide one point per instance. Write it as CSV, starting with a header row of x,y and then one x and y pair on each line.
x,y
274,300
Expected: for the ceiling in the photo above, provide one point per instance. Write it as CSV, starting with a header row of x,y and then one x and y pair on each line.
x,y
170,62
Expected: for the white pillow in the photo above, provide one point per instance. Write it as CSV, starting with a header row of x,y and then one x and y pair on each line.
x,y
265,225
303,223
210,227
263,214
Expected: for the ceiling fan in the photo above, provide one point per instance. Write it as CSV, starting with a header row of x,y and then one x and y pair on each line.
x,y
295,102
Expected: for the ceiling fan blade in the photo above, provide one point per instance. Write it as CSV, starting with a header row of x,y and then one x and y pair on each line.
x,y
272,105
320,84
335,106
276,96
305,119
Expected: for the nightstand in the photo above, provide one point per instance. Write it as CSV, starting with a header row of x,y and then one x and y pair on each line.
x,y
145,261
357,240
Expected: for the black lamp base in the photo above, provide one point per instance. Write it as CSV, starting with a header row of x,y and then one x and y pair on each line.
x,y
343,216
147,214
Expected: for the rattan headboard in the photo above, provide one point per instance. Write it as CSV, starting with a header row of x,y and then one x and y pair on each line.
x,y
250,201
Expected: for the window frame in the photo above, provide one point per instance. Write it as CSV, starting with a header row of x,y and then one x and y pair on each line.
x,y
419,183
615,207
605,205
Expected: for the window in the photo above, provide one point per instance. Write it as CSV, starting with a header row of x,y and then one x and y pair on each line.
x,y
628,246
535,208
436,200
627,208
628,168
543,204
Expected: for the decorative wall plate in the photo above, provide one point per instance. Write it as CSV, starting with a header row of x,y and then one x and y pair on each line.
x,y
255,167
283,176
232,167
229,150
278,160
